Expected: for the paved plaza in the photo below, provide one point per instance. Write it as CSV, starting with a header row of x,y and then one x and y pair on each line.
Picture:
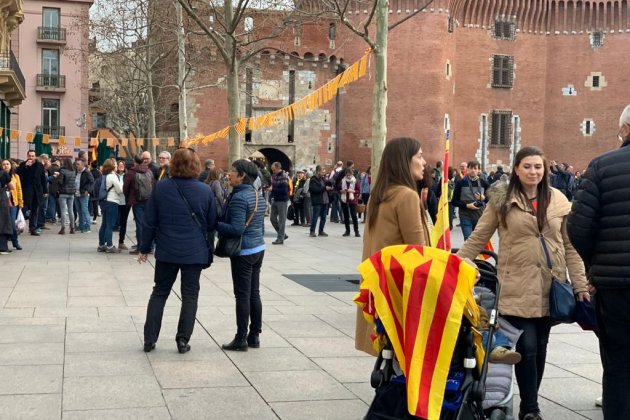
x,y
71,322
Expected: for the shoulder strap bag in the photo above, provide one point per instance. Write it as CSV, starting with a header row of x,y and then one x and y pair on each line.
x,y
561,297
230,246
208,237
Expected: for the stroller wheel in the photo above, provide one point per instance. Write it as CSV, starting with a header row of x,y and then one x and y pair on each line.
x,y
497,414
376,379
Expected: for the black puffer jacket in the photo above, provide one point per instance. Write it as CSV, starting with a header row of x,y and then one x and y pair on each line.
x,y
599,223
66,182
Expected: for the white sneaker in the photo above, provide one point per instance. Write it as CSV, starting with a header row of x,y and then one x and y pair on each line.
x,y
599,401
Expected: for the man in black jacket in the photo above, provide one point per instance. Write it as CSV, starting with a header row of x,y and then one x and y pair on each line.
x,y
319,200
599,229
34,188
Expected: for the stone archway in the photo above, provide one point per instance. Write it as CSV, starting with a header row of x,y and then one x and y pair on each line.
x,y
274,155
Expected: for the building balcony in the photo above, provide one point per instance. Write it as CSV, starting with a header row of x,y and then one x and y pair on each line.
x,y
53,132
51,83
51,35
11,80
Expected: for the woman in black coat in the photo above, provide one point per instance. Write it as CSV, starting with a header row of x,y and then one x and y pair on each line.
x,y
181,245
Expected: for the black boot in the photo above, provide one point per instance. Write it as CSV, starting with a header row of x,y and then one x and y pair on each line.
x,y
347,233
253,340
238,344
357,234
182,346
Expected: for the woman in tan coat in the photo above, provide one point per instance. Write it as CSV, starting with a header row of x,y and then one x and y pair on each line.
x,y
394,215
521,211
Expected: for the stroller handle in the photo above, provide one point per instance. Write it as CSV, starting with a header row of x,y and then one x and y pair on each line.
x,y
487,252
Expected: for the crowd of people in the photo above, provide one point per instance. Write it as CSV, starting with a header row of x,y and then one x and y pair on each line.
x,y
177,218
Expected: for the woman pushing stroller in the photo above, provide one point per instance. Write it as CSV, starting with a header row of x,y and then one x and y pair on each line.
x,y
529,215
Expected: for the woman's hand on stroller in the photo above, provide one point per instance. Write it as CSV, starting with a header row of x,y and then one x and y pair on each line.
x,y
468,260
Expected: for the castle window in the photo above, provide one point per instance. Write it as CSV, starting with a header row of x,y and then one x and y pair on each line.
x,y
501,127
597,39
502,71
588,127
595,81
504,30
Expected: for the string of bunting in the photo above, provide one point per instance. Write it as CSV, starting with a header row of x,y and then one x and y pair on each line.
x,y
14,135
298,109
293,111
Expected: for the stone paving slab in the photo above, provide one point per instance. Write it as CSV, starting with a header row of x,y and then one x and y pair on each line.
x,y
71,332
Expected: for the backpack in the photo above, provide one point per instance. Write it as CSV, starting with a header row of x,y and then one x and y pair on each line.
x,y
144,185
102,191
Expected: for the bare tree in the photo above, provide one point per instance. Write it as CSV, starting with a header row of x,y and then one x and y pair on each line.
x,y
237,38
378,16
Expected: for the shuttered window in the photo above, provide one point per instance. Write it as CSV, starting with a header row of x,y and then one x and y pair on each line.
x,y
500,128
502,71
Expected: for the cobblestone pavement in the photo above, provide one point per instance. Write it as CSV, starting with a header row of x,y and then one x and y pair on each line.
x,y
71,324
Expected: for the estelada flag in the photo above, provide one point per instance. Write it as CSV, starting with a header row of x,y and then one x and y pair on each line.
x,y
488,247
420,295
441,233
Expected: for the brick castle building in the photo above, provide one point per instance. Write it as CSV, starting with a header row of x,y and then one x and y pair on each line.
x,y
498,74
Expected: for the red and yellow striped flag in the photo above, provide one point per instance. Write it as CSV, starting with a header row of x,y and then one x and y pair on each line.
x,y
420,295
441,233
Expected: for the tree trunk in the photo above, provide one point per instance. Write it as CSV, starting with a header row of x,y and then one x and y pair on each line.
x,y
148,145
379,110
181,73
234,105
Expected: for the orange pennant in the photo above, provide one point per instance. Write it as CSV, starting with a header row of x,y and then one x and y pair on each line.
x,y
94,141
77,142
139,142
46,139
170,142
62,140
124,142
29,137
156,141
15,134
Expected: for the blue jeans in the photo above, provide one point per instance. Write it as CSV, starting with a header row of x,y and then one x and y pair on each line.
x,y
138,215
319,212
81,203
41,214
110,214
13,211
51,212
335,209
468,225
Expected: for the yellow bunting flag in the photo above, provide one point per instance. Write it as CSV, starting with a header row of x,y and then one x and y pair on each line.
x,y
15,134
139,142
77,141
170,142
62,140
124,142
156,141
94,141
46,139
29,137
110,142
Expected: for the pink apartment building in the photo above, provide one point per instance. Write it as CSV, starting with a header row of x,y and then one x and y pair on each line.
x,y
51,46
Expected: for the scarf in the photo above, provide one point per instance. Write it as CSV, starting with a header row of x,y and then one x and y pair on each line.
x,y
348,184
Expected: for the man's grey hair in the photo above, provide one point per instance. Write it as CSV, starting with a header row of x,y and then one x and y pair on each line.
x,y
208,162
625,116
165,152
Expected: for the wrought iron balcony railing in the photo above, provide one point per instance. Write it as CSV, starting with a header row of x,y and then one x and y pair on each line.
x,y
51,33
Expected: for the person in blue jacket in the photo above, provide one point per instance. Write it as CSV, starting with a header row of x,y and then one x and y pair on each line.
x,y
244,205
180,243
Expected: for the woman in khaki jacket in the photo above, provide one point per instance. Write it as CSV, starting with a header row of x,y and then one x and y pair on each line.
x,y
394,215
520,211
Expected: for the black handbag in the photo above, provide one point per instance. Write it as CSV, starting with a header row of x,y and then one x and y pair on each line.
x,y
207,236
230,246
561,297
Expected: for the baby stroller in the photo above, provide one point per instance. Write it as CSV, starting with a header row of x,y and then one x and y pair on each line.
x,y
466,384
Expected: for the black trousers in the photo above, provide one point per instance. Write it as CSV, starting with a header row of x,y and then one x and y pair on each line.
x,y
533,348
350,210
300,215
246,281
613,323
123,216
165,275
